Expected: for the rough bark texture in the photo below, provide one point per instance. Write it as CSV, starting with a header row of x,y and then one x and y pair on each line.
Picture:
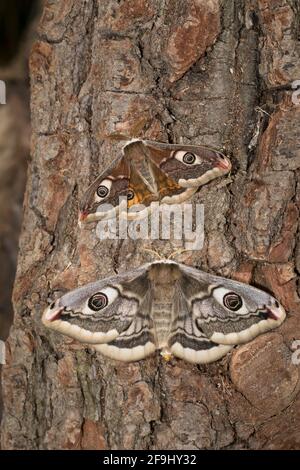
x,y
193,71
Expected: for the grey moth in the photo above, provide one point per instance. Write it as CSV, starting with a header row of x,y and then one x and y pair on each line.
x,y
166,306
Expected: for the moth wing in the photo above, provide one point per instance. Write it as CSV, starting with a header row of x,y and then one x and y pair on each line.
x,y
186,340
74,315
137,341
167,190
189,166
226,311
101,200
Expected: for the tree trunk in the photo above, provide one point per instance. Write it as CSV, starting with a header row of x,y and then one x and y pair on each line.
x,y
194,71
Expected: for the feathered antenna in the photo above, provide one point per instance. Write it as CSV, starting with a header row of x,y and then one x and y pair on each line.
x,y
153,252
179,251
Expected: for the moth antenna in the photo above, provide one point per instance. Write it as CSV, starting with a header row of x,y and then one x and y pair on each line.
x,y
153,252
178,252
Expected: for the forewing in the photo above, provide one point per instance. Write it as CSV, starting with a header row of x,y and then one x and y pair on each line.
x,y
189,166
102,199
101,311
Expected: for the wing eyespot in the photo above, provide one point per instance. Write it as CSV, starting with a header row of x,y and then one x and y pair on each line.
x,y
98,301
130,194
102,191
233,301
189,158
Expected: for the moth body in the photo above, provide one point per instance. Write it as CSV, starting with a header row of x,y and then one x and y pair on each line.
x,y
163,277
161,314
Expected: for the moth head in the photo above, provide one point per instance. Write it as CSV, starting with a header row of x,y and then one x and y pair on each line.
x,y
163,272
87,314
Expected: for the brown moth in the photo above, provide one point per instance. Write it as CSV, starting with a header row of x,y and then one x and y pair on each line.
x,y
150,172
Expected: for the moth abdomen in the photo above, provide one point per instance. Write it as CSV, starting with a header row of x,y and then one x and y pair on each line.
x,y
162,314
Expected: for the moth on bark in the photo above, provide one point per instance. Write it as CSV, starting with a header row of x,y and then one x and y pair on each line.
x,y
168,306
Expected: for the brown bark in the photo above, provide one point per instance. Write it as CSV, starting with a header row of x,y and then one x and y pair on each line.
x,y
181,71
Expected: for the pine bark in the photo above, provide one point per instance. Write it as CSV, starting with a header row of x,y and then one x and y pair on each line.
x,y
192,71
